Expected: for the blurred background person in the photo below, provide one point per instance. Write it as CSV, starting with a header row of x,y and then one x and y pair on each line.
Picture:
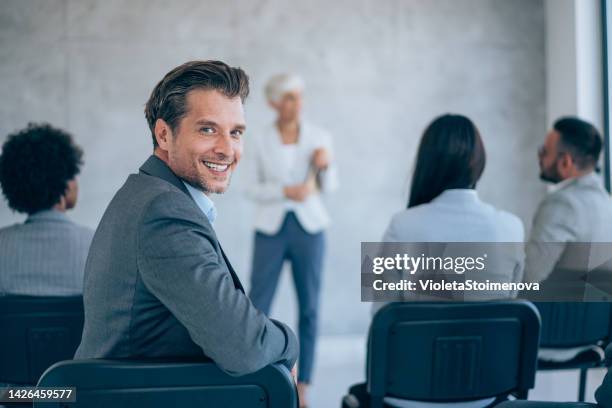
x,y
577,210
570,240
444,207
45,255
294,165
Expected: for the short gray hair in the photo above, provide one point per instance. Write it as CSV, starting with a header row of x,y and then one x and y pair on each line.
x,y
280,84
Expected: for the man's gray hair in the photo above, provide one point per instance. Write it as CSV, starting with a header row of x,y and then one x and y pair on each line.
x,y
280,84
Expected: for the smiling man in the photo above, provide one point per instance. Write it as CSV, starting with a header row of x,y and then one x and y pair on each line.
x,y
157,283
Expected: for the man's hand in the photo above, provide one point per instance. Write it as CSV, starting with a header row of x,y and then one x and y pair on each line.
x,y
320,158
298,192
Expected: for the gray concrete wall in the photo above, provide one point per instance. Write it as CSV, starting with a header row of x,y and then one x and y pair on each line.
x,y
377,72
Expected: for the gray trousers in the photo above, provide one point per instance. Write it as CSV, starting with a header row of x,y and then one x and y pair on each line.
x,y
305,253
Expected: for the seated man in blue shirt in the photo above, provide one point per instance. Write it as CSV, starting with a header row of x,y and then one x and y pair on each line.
x,y
45,255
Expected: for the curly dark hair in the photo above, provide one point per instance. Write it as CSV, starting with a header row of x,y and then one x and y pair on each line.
x,y
36,165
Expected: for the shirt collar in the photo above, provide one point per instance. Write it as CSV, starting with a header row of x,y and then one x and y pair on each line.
x,y
204,203
560,185
590,177
47,215
457,194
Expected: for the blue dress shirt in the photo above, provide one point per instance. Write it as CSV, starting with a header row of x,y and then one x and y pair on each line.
x,y
202,200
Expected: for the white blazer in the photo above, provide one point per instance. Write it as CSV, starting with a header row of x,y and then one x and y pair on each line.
x,y
272,174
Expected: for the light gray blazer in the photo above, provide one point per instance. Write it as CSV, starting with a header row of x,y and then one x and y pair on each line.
x,y
458,215
579,211
157,284
44,256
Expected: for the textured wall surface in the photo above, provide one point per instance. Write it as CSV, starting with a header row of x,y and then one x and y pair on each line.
x,y
377,72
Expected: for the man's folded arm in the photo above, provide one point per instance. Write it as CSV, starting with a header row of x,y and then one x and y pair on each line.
x,y
178,263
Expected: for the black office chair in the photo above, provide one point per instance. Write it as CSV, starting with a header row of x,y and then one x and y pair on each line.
x,y
545,404
133,384
449,352
568,325
35,333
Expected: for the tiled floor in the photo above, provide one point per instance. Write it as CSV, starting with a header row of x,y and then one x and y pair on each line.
x,y
341,362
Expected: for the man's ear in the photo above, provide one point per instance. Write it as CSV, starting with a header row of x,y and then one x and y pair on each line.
x,y
566,165
567,160
163,133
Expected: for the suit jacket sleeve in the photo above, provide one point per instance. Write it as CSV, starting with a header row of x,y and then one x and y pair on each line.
x,y
553,226
179,263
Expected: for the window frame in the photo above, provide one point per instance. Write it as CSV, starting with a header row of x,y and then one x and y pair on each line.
x,y
606,25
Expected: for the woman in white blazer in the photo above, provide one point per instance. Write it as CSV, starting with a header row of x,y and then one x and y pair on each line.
x,y
294,165
444,207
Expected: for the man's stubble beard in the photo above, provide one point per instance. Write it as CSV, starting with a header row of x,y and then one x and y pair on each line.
x,y
200,183
550,175
193,178
203,185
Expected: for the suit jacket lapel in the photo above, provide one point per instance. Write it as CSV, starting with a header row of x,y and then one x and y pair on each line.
x,y
156,167
235,278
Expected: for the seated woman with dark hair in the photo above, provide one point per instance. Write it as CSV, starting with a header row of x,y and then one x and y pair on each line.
x,y
44,256
444,207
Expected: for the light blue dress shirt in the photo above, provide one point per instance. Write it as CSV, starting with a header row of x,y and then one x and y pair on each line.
x,y
205,203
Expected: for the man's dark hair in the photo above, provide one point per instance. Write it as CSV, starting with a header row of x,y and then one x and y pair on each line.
x,y
580,139
36,165
451,155
168,99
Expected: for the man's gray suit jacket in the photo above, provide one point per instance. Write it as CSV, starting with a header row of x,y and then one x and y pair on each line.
x,y
157,284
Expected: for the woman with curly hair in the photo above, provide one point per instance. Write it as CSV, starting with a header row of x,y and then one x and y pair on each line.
x,y
46,254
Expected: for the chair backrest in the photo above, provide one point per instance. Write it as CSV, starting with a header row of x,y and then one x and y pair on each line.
x,y
574,324
130,384
35,333
442,352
